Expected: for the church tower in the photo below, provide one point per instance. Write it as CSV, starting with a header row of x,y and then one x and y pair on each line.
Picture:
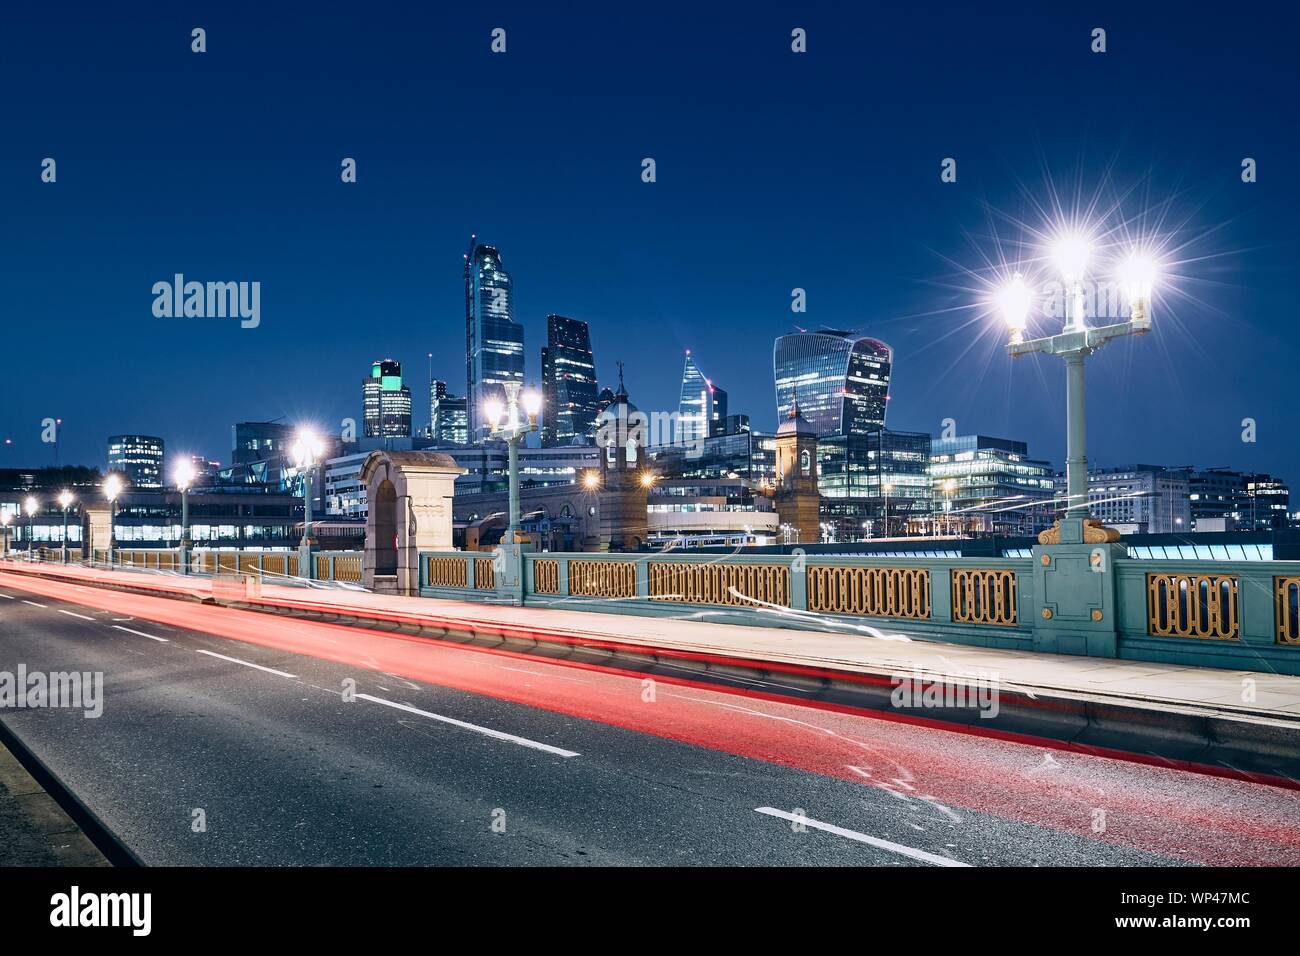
x,y
624,487
798,501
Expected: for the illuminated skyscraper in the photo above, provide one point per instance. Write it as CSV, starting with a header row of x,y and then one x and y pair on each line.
x,y
386,401
139,458
841,380
494,342
569,402
448,420
700,405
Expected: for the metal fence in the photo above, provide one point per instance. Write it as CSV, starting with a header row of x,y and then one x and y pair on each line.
x,y
1243,615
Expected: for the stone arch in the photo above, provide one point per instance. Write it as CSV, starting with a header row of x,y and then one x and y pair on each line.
x,y
384,507
409,510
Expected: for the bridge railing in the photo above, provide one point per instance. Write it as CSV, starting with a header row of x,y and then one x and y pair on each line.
x,y
345,566
1243,615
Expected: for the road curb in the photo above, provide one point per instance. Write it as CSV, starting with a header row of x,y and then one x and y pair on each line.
x,y
1260,748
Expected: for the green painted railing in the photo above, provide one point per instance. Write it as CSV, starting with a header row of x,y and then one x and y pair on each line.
x,y
1243,615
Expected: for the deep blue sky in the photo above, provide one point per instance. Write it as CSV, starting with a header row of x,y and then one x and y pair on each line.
x,y
774,171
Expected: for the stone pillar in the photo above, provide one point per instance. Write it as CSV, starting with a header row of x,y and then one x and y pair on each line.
x,y
408,496
96,528
1076,603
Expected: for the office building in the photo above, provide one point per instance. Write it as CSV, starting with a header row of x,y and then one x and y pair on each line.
x,y
841,380
138,458
259,441
874,485
386,401
494,342
1138,499
985,485
449,416
700,404
569,400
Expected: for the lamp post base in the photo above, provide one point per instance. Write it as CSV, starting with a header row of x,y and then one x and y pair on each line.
x,y
1078,531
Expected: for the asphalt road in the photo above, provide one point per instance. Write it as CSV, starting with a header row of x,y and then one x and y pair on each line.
x,y
448,755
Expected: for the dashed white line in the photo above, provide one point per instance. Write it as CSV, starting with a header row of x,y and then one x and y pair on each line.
x,y
236,660
34,604
880,844
161,640
74,614
499,735
8,597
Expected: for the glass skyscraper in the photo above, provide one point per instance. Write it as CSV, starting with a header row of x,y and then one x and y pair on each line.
x,y
841,380
701,403
569,401
448,418
494,342
138,458
386,401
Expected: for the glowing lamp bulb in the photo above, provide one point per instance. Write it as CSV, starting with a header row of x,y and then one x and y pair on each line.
x,y
532,402
112,487
1070,253
65,498
1015,301
1138,276
184,474
31,506
492,410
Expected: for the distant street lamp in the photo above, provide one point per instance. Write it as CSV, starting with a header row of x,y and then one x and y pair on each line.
x,y
1075,342
949,487
66,498
184,476
512,431
307,451
31,506
112,488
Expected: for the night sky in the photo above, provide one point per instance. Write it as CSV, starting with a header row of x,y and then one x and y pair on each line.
x,y
775,171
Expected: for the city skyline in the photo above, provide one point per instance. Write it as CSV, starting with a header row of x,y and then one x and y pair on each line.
x,y
648,266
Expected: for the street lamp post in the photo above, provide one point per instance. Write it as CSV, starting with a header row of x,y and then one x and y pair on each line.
x,y
5,518
886,487
949,487
512,431
112,488
65,501
184,476
307,451
1074,343
31,506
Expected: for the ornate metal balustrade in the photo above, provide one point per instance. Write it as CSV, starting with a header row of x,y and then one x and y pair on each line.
x,y
446,572
1193,605
984,596
606,579
546,576
720,583
870,592
485,574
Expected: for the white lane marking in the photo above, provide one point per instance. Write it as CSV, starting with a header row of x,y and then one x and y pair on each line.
x,y
8,597
161,640
499,735
236,660
34,604
74,614
880,844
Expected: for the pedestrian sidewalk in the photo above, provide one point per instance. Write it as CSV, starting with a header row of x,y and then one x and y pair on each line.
x,y
1164,687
